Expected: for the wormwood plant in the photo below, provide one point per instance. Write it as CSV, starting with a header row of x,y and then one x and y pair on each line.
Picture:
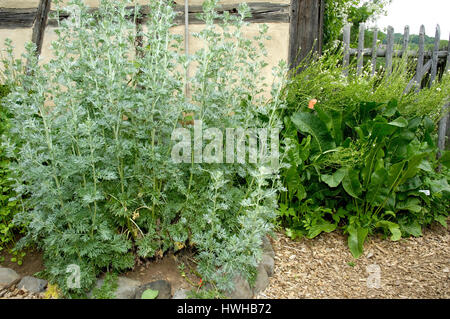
x,y
94,128
8,198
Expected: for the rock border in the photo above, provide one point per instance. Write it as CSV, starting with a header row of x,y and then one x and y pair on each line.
x,y
12,285
242,289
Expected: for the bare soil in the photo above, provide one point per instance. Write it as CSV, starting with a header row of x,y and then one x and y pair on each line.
x,y
31,263
167,268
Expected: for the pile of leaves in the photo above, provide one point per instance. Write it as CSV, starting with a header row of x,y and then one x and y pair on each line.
x,y
92,138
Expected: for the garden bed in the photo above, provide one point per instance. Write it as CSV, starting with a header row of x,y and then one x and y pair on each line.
x,y
318,268
324,268
167,268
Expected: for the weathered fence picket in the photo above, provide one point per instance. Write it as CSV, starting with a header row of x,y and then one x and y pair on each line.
x,y
40,24
445,121
427,62
435,59
389,49
374,51
420,57
346,48
362,29
405,42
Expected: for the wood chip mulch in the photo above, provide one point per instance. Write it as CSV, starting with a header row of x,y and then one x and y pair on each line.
x,y
324,268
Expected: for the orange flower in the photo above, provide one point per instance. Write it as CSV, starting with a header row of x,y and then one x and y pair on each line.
x,y
312,103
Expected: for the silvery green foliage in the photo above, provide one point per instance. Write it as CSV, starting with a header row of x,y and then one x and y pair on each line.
x,y
94,164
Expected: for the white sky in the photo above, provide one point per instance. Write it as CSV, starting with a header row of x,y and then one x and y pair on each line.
x,y
417,12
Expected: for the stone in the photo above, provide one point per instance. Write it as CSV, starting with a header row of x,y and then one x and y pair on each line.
x,y
32,284
126,288
262,280
241,289
164,289
7,277
268,263
180,294
267,247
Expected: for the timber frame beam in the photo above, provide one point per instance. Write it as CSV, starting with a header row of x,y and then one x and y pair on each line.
x,y
262,12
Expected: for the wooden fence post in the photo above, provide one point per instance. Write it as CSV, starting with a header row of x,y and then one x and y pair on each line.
x,y
305,29
435,58
420,57
40,23
362,30
389,49
444,122
405,42
374,51
346,38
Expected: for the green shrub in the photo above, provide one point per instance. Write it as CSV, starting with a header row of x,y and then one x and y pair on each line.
x,y
358,160
95,164
323,79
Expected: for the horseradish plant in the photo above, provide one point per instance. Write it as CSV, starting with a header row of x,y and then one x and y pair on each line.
x,y
93,143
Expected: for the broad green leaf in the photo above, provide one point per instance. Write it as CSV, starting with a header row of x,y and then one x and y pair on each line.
x,y
399,122
323,226
311,124
441,219
389,213
411,184
413,167
356,237
412,228
390,108
360,133
301,192
365,109
335,179
336,126
411,204
351,183
426,166
414,123
382,129
406,136
150,294
375,190
439,185
393,228
370,161
305,148
294,233
293,181
428,124
324,117
395,171
445,159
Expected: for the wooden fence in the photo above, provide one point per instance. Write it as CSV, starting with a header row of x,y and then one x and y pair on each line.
x,y
305,19
427,62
